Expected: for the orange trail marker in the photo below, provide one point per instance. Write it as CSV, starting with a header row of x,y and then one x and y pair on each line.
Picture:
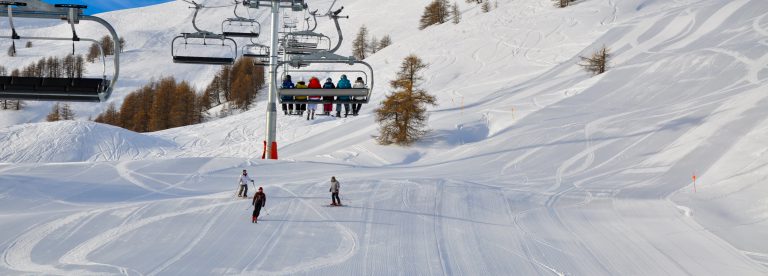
x,y
694,182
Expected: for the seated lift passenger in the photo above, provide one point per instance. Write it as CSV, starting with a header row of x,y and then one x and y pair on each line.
x,y
287,84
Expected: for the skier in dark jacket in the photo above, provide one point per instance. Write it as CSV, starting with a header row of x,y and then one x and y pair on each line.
x,y
259,200
327,108
287,84
335,192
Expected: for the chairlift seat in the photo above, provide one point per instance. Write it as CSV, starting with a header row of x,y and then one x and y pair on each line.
x,y
240,34
203,60
53,89
256,55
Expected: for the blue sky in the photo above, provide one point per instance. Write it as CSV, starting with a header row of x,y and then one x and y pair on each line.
x,y
97,6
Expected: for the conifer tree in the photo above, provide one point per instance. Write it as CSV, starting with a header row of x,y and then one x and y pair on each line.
x,y
456,13
373,46
563,3
434,13
93,53
66,112
122,44
110,116
598,62
68,66
108,45
385,41
55,115
402,116
79,66
161,104
485,6
360,45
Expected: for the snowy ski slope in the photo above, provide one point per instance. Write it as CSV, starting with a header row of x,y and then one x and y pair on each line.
x,y
532,168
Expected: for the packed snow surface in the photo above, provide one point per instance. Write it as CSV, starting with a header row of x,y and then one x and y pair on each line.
x,y
532,167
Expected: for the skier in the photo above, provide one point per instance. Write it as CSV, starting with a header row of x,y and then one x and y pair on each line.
x,y
343,84
327,108
243,192
314,83
301,107
356,107
335,192
288,84
259,200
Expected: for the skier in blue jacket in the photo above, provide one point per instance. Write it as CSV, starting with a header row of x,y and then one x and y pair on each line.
x,y
343,84
288,84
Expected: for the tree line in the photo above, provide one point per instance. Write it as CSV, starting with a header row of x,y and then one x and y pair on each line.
x,y
440,11
105,44
159,105
70,66
167,103
363,45
60,112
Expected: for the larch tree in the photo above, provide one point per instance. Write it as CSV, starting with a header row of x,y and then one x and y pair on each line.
x,y
384,42
456,13
435,13
373,46
485,6
108,45
54,115
93,53
360,44
598,62
66,112
402,116
110,116
122,44
161,104
563,3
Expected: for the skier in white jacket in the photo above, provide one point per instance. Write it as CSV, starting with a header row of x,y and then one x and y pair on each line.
x,y
243,192
335,192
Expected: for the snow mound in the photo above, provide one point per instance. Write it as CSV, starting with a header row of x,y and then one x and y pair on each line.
x,y
76,141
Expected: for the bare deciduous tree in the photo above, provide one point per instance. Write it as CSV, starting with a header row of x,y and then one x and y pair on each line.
x,y
598,62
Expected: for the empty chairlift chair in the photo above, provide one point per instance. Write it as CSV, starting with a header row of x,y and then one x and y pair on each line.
x,y
74,89
203,47
239,26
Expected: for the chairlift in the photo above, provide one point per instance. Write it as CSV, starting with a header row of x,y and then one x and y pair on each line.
x,y
294,5
257,51
305,43
58,89
201,39
356,95
239,26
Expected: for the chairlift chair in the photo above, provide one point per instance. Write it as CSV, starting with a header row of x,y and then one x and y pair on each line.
x,y
201,38
357,95
239,26
294,5
258,52
58,89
